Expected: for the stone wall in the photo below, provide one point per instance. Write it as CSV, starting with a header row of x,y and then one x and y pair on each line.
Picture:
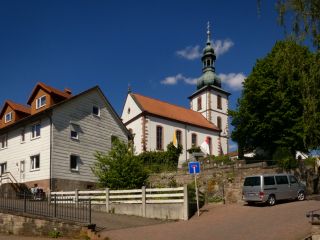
x,y
30,226
224,183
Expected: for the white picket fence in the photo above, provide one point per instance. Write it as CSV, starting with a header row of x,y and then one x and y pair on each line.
x,y
152,195
143,197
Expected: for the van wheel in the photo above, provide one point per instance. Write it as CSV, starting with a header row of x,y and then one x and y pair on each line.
x,y
301,196
271,200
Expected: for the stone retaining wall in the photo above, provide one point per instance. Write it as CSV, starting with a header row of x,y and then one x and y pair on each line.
x,y
224,183
30,226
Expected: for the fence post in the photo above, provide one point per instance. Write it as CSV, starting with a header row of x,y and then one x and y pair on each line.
x,y
55,206
49,197
185,202
107,200
76,197
24,202
143,201
90,211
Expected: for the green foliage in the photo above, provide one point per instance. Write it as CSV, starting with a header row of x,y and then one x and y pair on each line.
x,y
285,159
310,161
271,112
119,169
54,233
160,161
193,149
225,160
304,16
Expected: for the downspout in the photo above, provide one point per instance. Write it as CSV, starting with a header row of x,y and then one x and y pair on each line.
x,y
186,142
50,161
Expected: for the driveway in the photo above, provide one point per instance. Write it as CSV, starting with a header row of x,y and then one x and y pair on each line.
x,y
237,221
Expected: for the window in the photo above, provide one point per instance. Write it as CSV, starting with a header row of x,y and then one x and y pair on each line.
x,y
35,162
293,179
194,139
41,102
74,131
4,141
210,145
199,103
252,181
179,137
282,180
159,138
129,110
219,105
8,117
3,168
96,111
35,130
269,180
219,122
23,135
74,162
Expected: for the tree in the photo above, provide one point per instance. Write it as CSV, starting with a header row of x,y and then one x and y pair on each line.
x,y
305,15
119,169
270,112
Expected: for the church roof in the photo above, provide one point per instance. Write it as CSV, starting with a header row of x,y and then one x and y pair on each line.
x,y
172,112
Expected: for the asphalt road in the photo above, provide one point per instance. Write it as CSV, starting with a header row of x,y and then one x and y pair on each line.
x,y
233,222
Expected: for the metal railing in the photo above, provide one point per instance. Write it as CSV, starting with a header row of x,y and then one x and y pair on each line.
x,y
52,207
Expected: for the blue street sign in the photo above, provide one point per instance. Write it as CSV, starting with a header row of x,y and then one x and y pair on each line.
x,y
194,167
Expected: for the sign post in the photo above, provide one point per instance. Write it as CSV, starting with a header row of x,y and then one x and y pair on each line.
x,y
194,168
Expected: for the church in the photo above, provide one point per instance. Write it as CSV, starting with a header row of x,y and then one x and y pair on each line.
x,y
155,123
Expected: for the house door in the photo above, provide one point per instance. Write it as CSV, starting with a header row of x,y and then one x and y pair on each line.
x,y
3,168
22,170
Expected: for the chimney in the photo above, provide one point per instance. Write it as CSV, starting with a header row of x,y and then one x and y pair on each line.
x,y
68,91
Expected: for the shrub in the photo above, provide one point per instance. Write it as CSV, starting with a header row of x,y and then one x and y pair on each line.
x,y
160,161
284,158
119,169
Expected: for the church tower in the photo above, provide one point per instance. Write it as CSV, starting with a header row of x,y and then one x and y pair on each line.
x,y
209,98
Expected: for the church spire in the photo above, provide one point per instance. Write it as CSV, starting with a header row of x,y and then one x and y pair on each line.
x,y
208,59
208,34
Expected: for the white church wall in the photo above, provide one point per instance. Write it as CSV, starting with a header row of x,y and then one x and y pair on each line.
x,y
130,109
169,127
136,130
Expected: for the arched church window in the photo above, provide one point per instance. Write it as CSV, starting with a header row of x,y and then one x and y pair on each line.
x,y
219,105
219,122
199,103
179,137
194,139
159,138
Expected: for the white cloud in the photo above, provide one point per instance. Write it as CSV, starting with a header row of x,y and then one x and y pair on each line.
x,y
190,52
193,52
233,80
172,80
222,46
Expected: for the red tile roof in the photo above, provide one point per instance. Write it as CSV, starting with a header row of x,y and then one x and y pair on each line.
x,y
173,112
16,107
49,90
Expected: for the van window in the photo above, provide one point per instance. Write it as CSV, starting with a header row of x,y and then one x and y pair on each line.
x,y
293,179
282,180
269,180
252,181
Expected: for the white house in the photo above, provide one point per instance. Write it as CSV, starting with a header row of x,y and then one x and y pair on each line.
x,y
153,122
52,141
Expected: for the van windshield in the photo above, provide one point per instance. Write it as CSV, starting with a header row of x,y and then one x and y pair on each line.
x,y
252,181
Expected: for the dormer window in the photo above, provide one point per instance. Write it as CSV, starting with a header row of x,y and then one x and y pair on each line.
x,y
41,102
8,117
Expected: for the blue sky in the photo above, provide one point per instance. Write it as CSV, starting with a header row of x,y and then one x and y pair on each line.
x,y
147,44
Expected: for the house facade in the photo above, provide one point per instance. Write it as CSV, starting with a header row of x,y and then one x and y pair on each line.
x,y
52,141
154,123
